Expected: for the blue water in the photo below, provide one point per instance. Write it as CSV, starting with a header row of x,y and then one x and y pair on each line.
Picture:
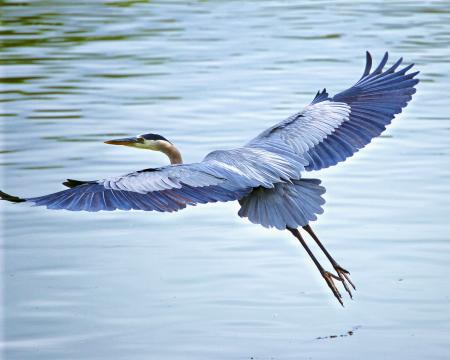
x,y
203,283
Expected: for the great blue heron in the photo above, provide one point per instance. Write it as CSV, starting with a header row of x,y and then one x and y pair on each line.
x,y
265,174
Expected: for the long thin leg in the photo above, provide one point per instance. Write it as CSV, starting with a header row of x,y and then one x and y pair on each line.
x,y
342,273
325,274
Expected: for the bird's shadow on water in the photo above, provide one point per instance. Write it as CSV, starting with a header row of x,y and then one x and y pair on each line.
x,y
335,336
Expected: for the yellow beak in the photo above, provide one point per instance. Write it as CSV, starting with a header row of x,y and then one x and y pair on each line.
x,y
124,141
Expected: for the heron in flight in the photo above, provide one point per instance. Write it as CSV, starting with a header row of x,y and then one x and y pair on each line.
x,y
266,174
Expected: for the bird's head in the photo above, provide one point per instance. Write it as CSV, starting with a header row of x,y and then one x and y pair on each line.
x,y
146,141
153,142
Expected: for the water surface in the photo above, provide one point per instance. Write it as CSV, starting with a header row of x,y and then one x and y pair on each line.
x,y
203,283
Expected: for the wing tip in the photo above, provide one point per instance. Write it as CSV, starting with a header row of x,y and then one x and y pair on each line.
x,y
320,96
378,71
368,65
11,198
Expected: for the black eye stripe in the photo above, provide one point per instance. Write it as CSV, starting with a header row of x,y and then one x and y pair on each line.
x,y
153,137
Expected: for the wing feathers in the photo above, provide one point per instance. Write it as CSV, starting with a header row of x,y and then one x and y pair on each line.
x,y
222,176
306,129
374,101
368,65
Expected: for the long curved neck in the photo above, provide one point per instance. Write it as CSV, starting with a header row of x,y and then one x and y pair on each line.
x,y
172,153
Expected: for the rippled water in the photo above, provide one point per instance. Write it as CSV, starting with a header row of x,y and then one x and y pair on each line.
x,y
203,283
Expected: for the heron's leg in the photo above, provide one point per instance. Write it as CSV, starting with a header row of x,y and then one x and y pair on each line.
x,y
342,273
325,274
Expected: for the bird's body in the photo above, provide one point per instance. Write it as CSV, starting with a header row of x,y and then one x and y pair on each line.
x,y
266,174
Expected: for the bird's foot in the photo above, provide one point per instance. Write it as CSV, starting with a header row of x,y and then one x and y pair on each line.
x,y
329,280
344,277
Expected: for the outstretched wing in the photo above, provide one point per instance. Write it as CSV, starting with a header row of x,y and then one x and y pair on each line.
x,y
222,176
374,101
329,130
166,189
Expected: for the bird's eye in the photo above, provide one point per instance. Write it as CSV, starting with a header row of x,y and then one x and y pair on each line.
x,y
140,140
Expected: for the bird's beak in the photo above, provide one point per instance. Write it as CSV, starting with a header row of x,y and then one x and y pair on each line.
x,y
124,141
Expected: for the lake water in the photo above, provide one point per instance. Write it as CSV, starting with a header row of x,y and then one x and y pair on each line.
x,y
203,283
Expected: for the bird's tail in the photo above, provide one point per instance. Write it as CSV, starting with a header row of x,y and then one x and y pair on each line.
x,y
10,198
285,205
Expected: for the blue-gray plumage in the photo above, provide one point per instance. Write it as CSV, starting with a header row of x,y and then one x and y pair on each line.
x,y
265,175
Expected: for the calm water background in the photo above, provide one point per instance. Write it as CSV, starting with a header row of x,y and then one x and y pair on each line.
x,y
203,283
